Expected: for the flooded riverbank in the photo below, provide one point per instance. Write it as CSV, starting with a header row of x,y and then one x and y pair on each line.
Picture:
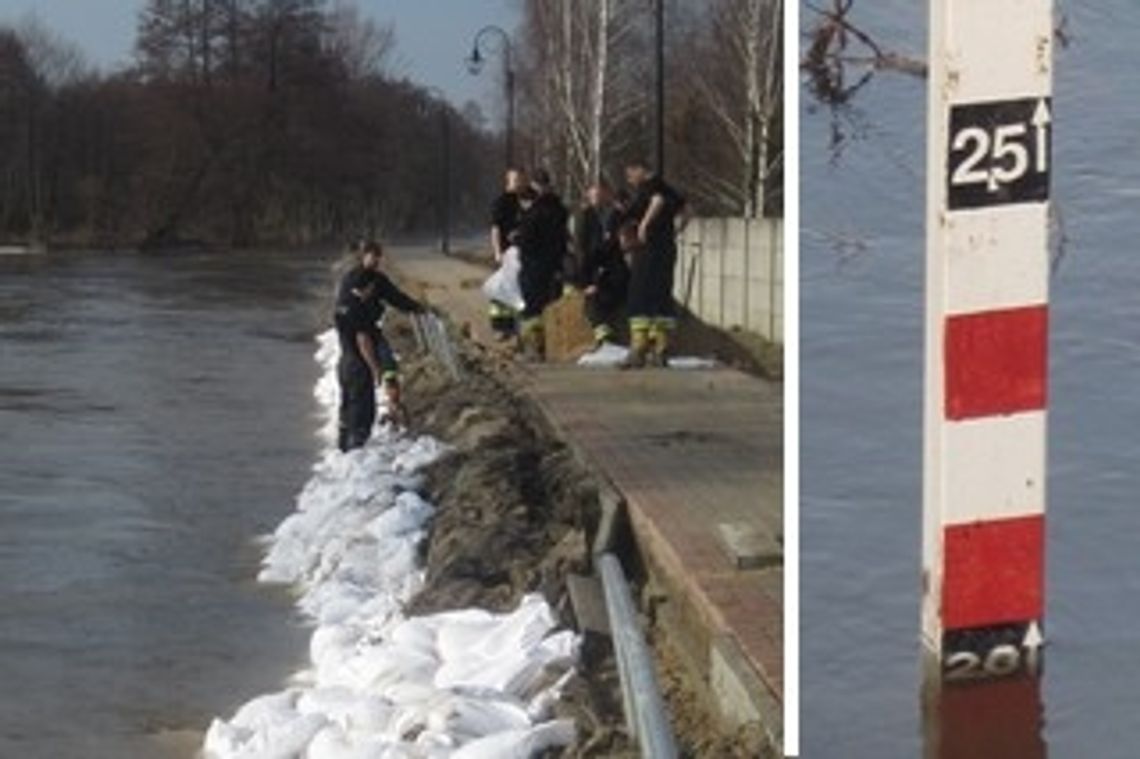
x,y
155,413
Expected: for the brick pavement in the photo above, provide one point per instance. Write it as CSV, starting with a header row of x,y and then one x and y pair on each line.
x,y
687,450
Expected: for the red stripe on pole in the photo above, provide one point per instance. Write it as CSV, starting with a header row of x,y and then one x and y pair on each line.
x,y
996,362
993,572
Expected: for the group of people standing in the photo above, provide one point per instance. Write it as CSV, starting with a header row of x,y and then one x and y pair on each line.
x,y
625,254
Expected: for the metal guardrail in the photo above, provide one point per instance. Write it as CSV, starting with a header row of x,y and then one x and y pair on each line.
x,y
432,337
645,713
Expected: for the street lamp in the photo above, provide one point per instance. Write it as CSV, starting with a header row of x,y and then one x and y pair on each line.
x,y
445,171
475,66
659,45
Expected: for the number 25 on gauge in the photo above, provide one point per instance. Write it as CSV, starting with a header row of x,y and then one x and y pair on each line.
x,y
1005,146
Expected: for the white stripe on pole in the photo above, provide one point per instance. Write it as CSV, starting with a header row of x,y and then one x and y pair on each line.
x,y
998,261
988,171
1006,460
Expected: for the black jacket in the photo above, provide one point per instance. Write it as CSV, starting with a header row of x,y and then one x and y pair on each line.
x,y
543,233
602,263
661,230
505,216
385,294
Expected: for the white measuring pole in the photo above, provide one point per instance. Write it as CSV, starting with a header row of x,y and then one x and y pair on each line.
x,y
987,277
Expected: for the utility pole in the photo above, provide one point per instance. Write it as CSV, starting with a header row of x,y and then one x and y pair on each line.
x,y
445,241
987,290
440,103
659,23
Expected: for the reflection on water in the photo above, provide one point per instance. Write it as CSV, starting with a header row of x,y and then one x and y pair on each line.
x,y
155,414
862,283
992,720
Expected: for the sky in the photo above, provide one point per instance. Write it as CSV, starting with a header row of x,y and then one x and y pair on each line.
x,y
433,36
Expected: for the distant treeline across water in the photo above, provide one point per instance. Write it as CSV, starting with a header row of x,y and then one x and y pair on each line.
x,y
240,122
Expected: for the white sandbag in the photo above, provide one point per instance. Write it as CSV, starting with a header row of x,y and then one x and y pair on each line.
x,y
541,706
334,743
521,630
520,744
510,673
382,686
377,668
503,284
267,711
348,709
470,718
691,363
606,356
285,740
561,648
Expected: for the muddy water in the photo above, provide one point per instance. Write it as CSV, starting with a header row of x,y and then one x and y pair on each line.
x,y
154,415
862,266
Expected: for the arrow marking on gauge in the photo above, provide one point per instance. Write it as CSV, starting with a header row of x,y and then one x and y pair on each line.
x,y
1041,119
1032,644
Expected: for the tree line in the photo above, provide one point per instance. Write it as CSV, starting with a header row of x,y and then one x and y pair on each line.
x,y
239,122
251,122
587,74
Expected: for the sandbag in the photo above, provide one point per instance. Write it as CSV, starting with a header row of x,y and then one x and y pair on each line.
x,y
503,284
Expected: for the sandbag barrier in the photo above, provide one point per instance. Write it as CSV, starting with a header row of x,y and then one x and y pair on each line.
x,y
431,336
645,714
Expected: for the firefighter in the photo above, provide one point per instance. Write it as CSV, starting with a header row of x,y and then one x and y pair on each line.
x,y
543,238
506,213
365,293
601,271
652,313
359,371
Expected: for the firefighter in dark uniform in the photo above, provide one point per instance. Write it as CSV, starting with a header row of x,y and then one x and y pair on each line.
x,y
652,312
543,239
367,360
359,370
506,213
601,270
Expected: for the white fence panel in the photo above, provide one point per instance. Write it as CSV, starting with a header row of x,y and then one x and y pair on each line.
x,y
730,274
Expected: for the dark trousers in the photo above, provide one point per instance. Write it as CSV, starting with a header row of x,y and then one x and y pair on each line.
x,y
604,309
536,281
357,403
387,358
651,282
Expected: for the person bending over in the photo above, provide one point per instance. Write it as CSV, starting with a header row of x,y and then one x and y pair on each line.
x,y
366,357
602,273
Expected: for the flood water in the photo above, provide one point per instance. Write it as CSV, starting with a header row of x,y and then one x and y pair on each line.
x,y
156,414
862,263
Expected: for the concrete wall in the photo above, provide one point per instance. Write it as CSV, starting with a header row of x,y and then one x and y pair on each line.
x,y
730,273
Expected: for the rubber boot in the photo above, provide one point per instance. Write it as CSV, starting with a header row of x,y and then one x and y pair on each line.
x,y
603,334
503,321
658,347
533,341
638,347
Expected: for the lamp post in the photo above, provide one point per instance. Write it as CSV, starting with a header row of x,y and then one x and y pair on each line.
x,y
475,65
659,43
445,170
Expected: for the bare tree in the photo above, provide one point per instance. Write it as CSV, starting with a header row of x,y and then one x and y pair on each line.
x,y
361,45
242,122
586,69
742,88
